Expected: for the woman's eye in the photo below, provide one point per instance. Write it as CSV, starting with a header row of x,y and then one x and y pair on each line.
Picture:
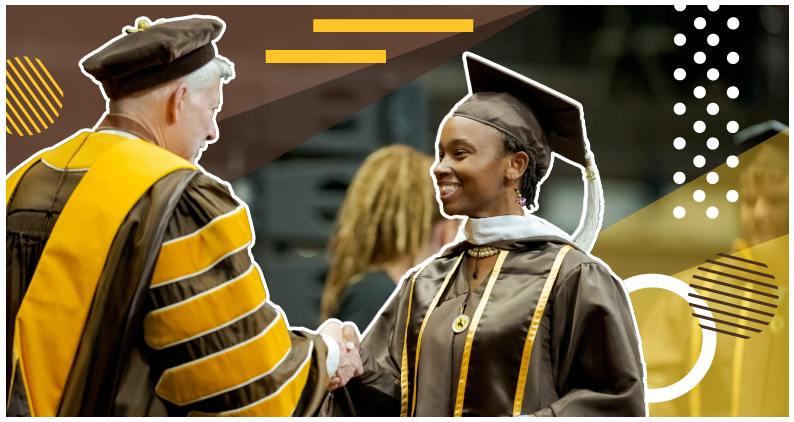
x,y
460,152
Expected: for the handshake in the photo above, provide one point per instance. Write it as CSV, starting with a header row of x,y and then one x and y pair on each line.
x,y
350,366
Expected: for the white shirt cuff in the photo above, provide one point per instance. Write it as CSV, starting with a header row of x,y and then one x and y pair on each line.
x,y
332,360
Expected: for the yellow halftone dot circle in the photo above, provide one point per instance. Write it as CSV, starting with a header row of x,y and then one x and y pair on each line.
x,y
33,97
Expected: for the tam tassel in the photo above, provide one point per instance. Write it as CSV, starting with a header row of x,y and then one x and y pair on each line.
x,y
593,214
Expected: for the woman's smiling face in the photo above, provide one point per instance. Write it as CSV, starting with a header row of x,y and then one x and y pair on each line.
x,y
473,172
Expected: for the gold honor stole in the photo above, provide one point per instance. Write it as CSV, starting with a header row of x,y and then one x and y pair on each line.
x,y
407,407
53,313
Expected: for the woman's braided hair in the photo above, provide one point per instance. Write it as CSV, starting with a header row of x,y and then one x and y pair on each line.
x,y
386,217
529,181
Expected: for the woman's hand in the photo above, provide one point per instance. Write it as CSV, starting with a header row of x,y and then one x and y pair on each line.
x,y
349,360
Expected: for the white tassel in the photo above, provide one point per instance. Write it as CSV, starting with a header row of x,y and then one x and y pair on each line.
x,y
593,213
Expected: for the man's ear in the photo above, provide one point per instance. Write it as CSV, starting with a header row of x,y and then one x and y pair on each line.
x,y
517,165
176,103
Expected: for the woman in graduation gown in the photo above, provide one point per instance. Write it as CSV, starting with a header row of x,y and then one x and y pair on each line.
x,y
516,318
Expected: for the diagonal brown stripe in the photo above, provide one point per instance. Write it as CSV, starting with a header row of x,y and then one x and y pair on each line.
x,y
733,267
724,255
771,286
735,286
727,323
268,131
727,313
731,305
723,332
733,296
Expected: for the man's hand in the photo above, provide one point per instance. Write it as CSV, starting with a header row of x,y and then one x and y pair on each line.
x,y
349,361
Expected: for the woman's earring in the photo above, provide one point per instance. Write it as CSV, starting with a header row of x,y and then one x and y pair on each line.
x,y
520,201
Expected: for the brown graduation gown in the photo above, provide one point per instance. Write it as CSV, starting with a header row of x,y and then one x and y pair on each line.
x,y
585,359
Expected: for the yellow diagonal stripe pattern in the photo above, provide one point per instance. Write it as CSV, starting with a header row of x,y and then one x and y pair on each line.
x,y
22,66
22,108
43,82
49,76
24,97
30,91
393,25
325,56
13,124
8,103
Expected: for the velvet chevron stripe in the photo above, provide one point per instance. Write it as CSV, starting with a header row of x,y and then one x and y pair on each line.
x,y
189,255
214,308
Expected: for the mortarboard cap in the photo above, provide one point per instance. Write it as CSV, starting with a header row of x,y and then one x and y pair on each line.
x,y
530,112
153,54
542,118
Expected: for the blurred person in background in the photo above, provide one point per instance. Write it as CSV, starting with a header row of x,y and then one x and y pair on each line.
x,y
747,376
760,381
390,222
742,384
764,196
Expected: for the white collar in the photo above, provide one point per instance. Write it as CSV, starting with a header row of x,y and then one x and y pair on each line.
x,y
480,231
119,133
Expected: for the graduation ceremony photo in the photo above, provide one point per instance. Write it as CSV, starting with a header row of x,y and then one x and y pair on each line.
x,y
397,210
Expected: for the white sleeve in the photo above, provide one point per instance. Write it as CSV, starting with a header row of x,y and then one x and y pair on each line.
x,y
332,361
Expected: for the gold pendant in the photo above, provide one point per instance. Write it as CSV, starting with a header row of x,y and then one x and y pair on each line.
x,y
460,323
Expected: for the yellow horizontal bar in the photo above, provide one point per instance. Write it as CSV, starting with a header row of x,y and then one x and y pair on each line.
x,y
393,25
325,56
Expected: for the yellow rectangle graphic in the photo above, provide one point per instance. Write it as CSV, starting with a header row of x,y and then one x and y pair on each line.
x,y
325,56
393,25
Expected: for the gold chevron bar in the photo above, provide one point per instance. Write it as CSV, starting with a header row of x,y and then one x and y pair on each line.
x,y
325,56
8,130
393,25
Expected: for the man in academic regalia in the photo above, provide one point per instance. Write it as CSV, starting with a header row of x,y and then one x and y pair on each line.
x,y
130,285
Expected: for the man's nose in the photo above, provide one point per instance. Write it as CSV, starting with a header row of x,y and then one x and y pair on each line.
x,y
213,133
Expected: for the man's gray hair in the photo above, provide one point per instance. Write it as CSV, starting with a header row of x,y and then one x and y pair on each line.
x,y
202,78
198,80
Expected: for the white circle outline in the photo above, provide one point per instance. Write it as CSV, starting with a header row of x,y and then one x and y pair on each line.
x,y
707,350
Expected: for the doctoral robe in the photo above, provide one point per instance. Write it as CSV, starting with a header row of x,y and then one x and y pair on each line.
x,y
577,354
170,318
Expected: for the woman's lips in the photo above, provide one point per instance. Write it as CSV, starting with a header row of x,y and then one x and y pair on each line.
x,y
447,190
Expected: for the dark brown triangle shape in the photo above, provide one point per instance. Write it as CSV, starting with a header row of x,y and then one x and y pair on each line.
x,y
255,137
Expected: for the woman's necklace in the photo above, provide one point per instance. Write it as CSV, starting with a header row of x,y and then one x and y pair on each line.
x,y
462,321
481,252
